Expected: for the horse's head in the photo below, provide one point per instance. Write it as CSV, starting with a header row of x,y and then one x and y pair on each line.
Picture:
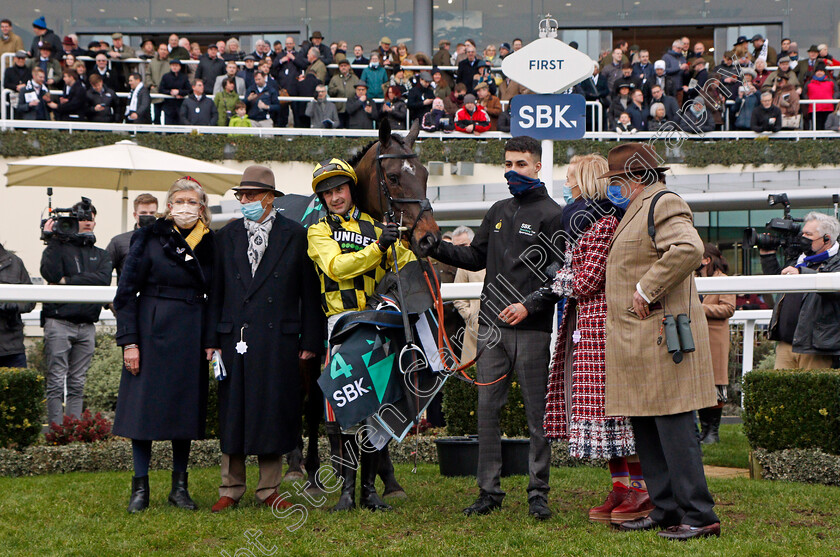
x,y
392,180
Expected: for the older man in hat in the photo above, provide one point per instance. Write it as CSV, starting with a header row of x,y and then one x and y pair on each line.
x,y
656,378
263,315
324,52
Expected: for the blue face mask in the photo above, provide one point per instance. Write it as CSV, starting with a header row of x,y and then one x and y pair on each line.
x,y
253,210
567,195
374,65
519,184
616,197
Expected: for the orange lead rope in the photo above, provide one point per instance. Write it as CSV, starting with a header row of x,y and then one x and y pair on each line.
x,y
443,338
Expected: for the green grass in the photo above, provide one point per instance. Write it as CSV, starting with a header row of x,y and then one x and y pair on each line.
x,y
733,450
84,514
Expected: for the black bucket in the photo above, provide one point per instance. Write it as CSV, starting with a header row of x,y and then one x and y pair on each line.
x,y
457,456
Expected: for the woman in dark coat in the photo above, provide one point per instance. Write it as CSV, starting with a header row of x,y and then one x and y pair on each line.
x,y
160,307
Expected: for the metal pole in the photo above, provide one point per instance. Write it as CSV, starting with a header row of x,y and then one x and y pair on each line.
x,y
547,172
124,225
749,343
423,27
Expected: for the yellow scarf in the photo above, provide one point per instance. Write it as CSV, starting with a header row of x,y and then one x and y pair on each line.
x,y
198,232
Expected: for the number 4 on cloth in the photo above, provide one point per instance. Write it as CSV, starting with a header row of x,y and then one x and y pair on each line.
x,y
340,367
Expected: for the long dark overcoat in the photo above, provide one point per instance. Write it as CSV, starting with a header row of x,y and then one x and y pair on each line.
x,y
160,306
277,313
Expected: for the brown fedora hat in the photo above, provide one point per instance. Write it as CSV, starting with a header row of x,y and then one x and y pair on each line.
x,y
632,157
257,177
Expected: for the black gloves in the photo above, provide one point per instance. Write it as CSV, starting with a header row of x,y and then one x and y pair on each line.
x,y
390,234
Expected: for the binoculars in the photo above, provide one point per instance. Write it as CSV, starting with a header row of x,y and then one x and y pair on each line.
x,y
678,338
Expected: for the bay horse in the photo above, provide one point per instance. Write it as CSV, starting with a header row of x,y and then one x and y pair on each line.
x,y
391,185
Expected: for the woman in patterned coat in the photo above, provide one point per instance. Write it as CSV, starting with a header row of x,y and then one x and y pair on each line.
x,y
575,396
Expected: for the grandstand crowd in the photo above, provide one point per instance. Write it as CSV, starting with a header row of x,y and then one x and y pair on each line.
x,y
755,86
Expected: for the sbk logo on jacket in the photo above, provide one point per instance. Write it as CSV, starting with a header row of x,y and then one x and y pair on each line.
x,y
526,229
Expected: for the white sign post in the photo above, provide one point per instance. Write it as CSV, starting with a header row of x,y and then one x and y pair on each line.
x,y
548,65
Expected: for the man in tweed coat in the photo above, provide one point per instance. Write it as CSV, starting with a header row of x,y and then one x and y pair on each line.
x,y
647,279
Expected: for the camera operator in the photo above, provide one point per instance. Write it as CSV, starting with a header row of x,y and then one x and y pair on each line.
x,y
71,258
807,325
12,352
145,209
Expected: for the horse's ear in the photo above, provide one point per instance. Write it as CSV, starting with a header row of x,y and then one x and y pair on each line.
x,y
384,132
412,134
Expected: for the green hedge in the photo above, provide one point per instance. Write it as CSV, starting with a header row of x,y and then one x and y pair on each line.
x,y
21,407
793,409
460,408
694,153
799,465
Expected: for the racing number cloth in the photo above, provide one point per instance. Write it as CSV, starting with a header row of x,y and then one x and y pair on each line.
x,y
362,374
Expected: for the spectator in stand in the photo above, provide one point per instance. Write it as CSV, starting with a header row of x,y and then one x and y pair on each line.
x,y
483,76
222,46
289,63
758,44
317,40
138,110
177,85
420,96
510,88
637,110
503,122
833,121
384,51
16,76
615,57
158,66
232,51
471,118
175,49
10,42
593,89
675,66
405,58
715,101
729,75
262,98
820,87
316,65
625,124
439,85
147,50
375,76
627,77
437,120
360,59
783,70
230,73
343,84
198,109
698,79
670,103
362,112
612,70
247,71
121,51
226,100
793,52
696,119
240,118
81,73
490,55
43,36
658,117
104,70
786,97
490,103
643,69
100,101
33,98
455,101
517,44
72,105
619,103
321,112
459,54
195,56
261,49
748,99
210,67
766,117
467,68
443,57
700,52
805,68
785,49
50,65
827,58
394,108
665,82
398,79
761,73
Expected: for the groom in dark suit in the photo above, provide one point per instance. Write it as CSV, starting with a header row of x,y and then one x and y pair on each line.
x,y
264,315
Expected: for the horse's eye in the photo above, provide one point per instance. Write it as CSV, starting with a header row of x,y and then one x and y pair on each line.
x,y
394,178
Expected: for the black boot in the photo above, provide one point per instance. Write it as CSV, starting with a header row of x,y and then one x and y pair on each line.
x,y
386,473
370,466
349,460
703,417
179,496
139,500
714,426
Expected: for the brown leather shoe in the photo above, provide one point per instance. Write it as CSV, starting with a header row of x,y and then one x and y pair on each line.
x,y
275,501
223,503
639,524
636,504
602,512
685,532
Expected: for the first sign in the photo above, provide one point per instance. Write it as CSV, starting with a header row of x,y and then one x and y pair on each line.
x,y
548,66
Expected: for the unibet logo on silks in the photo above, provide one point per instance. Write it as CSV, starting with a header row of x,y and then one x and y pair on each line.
x,y
348,239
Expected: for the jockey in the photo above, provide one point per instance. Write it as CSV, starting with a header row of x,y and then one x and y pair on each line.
x,y
352,252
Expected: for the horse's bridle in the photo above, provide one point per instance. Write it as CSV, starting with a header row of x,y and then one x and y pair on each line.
x,y
385,194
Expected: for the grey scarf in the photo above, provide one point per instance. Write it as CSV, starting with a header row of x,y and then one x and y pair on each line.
x,y
258,239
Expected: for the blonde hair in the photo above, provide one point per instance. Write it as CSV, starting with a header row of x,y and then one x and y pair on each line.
x,y
188,184
586,169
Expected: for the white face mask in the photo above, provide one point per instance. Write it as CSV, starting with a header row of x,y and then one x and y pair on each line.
x,y
185,216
